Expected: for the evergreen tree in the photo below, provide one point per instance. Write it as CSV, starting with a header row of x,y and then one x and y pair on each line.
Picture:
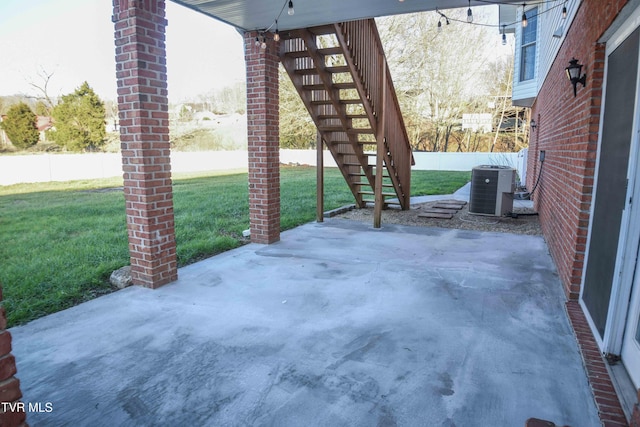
x,y
42,109
79,120
20,126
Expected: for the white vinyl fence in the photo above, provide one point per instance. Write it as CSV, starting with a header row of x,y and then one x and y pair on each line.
x,y
67,167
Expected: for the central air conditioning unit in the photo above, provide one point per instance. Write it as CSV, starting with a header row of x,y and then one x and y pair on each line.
x,y
492,189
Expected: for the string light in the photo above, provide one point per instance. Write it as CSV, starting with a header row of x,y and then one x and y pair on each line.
x,y
276,35
504,37
442,15
291,11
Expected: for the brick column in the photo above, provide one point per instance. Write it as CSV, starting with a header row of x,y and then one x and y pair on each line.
x,y
12,412
263,138
144,135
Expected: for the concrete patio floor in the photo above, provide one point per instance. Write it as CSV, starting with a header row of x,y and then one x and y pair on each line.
x,y
336,325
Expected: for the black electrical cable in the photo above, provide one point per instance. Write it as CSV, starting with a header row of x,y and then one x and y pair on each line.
x,y
517,214
538,180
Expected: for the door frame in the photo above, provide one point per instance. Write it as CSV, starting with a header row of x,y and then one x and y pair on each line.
x,y
611,342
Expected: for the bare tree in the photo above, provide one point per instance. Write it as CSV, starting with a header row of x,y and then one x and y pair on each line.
x,y
46,103
436,62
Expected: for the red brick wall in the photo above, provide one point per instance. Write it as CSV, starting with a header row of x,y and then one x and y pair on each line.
x,y
9,385
635,416
568,132
263,139
144,134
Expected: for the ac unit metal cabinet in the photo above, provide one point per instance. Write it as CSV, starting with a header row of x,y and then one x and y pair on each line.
x,y
492,189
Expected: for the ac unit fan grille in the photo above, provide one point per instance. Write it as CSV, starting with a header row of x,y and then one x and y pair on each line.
x,y
483,196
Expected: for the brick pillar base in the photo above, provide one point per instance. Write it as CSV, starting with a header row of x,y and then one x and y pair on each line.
x,y
144,135
263,139
12,411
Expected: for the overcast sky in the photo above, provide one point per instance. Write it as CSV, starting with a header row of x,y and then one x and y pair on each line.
x,y
74,39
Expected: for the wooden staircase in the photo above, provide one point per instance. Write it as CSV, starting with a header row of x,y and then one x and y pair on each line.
x,y
342,76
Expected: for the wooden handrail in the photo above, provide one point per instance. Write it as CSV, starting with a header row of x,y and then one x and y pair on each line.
x,y
365,47
360,45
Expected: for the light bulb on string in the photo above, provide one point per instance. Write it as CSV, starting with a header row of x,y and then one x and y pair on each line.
x,y
469,14
439,26
291,11
564,11
263,46
257,43
504,37
276,35
524,17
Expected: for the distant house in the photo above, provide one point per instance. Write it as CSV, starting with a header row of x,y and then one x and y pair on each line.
x,y
43,123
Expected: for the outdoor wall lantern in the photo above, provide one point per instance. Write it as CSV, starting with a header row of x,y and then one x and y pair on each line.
x,y
573,73
533,125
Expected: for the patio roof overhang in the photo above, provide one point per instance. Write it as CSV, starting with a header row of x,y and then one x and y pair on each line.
x,y
250,15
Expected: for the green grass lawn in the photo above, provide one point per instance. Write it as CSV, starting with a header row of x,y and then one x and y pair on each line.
x,y
59,242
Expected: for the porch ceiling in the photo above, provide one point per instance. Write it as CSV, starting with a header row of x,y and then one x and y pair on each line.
x,y
250,15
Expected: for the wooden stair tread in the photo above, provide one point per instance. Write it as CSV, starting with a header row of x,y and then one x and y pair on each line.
x,y
371,193
306,71
322,30
338,69
337,50
320,86
342,101
384,204
436,215
335,116
336,128
297,54
345,85
366,183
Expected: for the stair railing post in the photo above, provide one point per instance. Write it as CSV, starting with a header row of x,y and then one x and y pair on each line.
x,y
378,199
319,178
